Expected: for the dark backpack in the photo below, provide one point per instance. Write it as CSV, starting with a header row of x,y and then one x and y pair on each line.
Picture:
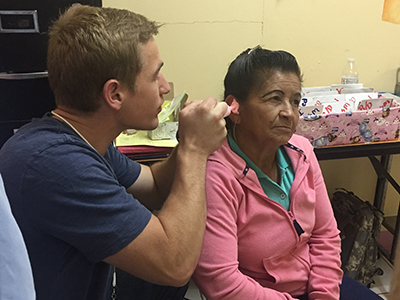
x,y
359,223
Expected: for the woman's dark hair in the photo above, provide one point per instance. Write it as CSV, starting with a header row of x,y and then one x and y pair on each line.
x,y
251,68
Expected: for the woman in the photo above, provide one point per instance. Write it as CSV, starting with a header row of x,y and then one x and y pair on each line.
x,y
271,232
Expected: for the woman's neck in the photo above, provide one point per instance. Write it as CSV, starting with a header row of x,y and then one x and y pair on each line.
x,y
263,155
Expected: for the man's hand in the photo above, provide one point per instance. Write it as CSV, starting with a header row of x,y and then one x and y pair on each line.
x,y
202,125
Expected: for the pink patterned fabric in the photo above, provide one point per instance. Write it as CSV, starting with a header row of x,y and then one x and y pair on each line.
x,y
351,128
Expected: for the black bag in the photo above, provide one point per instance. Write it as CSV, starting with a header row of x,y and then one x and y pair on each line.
x,y
359,223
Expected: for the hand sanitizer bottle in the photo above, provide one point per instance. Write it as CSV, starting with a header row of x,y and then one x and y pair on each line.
x,y
350,74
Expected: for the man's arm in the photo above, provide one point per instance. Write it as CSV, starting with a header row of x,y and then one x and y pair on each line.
x,y
167,250
154,183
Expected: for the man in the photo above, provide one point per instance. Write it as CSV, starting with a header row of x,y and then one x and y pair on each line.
x,y
74,195
16,280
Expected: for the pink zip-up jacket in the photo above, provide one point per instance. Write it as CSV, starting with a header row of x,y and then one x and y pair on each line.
x,y
253,247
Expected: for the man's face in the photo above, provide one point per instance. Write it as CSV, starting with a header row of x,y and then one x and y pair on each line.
x,y
143,106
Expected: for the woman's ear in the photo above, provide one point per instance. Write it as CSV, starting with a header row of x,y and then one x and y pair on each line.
x,y
234,104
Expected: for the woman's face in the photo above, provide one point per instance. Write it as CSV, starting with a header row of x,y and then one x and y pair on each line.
x,y
271,114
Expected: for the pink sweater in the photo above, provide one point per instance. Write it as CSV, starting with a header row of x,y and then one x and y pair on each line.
x,y
251,248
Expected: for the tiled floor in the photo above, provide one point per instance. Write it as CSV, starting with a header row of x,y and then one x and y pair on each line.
x,y
381,285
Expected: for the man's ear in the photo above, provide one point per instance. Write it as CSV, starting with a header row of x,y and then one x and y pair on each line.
x,y
234,104
113,93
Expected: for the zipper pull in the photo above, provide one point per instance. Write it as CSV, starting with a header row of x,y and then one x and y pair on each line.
x,y
296,224
298,228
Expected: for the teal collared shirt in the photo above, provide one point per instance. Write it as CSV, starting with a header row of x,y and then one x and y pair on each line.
x,y
279,193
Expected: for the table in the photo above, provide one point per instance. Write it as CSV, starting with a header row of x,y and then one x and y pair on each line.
x,y
383,150
141,148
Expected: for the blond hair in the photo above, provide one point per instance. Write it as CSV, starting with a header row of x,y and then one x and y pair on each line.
x,y
90,45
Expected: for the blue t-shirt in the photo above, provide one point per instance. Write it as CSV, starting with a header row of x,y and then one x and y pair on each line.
x,y
72,207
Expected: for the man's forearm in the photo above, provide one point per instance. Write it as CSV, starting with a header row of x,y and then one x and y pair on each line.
x,y
183,215
164,174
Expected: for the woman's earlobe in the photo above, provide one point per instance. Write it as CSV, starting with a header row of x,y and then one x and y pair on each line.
x,y
235,118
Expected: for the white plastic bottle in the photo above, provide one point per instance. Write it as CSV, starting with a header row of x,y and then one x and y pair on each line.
x,y
350,73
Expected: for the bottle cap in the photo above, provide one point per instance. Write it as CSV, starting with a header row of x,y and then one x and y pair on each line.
x,y
351,59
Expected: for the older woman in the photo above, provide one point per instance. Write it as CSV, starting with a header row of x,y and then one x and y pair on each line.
x,y
271,232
